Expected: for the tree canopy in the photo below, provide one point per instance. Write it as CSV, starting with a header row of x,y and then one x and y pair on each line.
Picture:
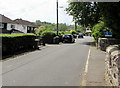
x,y
84,13
90,13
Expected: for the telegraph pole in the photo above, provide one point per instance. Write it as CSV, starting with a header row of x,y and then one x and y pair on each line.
x,y
57,18
75,25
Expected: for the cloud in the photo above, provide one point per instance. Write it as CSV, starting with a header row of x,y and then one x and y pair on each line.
x,y
44,10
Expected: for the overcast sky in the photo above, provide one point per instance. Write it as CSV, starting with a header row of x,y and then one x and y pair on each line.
x,y
32,10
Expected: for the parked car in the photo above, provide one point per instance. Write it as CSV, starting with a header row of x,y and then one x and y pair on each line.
x,y
80,35
68,38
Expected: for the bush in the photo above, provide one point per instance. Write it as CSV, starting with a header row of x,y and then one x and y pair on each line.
x,y
17,42
98,30
67,32
74,33
16,35
39,30
48,36
61,33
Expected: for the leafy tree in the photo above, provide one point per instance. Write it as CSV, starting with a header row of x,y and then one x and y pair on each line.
x,y
98,30
110,12
62,27
84,13
89,14
39,30
50,27
38,23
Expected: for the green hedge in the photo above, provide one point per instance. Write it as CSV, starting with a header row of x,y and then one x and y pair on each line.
x,y
48,36
16,35
16,42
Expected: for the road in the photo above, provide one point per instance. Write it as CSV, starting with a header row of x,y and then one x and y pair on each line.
x,y
55,65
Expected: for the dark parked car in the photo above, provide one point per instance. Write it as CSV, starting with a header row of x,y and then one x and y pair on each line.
x,y
80,35
68,38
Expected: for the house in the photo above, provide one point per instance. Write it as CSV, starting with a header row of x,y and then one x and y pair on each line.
x,y
6,24
25,26
17,26
88,32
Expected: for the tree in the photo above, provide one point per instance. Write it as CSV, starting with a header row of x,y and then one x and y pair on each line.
x,y
98,30
39,30
62,27
89,14
38,23
110,12
84,13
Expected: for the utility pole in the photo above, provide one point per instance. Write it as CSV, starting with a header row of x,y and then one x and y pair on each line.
x,y
75,25
57,18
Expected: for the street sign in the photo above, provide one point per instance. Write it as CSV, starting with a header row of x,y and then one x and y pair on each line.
x,y
107,34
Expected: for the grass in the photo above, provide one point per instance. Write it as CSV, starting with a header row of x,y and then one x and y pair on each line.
x,y
16,35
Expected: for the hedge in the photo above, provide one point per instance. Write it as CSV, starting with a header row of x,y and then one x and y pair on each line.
x,y
16,35
48,36
16,42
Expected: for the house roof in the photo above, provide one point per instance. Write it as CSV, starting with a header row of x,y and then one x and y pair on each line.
x,y
88,31
24,22
6,19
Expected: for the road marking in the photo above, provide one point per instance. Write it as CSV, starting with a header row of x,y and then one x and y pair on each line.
x,y
86,70
86,67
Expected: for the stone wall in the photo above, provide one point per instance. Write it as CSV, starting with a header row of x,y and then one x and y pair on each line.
x,y
112,68
103,43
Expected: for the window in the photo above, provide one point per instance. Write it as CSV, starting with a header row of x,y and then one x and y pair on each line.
x,y
1,25
13,26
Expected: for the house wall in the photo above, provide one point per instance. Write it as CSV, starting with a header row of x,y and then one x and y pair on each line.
x,y
9,26
30,29
22,28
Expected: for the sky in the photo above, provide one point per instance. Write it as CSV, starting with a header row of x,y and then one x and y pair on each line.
x,y
32,10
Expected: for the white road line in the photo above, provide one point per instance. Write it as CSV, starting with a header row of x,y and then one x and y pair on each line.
x,y
86,70
86,67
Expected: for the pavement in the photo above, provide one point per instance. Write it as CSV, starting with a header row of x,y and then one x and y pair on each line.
x,y
95,68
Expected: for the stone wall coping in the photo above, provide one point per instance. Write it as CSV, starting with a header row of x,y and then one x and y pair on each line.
x,y
109,38
112,48
116,52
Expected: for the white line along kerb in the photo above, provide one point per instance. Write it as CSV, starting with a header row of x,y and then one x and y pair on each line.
x,y
86,70
86,67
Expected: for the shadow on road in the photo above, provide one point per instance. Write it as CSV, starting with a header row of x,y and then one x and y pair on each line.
x,y
18,53
89,43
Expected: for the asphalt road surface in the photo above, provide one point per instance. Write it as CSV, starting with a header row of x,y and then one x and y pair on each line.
x,y
55,65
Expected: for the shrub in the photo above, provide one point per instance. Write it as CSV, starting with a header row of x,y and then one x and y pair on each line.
x,y
39,30
17,42
16,35
61,33
67,32
48,36
98,30
74,33
47,32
